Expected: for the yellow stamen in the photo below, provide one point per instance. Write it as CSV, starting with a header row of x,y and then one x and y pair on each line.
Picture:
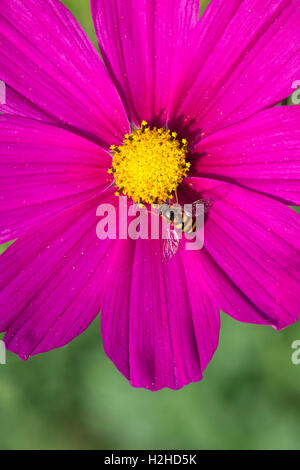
x,y
150,164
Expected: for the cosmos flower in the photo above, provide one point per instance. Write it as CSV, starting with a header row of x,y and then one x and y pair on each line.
x,y
214,84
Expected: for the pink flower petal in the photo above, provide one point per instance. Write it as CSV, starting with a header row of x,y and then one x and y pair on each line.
x,y
46,57
242,57
139,41
44,169
252,247
260,153
51,281
18,105
159,324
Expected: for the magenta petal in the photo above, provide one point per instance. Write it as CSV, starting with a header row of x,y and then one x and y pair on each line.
x,y
159,325
46,57
50,282
242,57
253,241
44,169
260,153
18,105
139,41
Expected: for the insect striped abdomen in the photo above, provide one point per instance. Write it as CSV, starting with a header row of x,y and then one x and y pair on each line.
x,y
189,224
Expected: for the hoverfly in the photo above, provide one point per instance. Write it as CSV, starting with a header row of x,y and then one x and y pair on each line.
x,y
183,220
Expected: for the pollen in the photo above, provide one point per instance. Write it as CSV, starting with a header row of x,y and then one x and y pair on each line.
x,y
150,164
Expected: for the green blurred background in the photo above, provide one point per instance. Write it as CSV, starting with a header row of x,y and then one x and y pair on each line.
x,y
74,398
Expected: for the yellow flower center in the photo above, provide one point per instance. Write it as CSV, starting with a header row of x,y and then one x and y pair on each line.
x,y
149,165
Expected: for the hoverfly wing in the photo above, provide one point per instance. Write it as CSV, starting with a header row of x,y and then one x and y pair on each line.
x,y
192,210
171,244
207,204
